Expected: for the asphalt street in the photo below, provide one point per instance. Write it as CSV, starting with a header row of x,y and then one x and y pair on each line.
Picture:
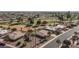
x,y
66,35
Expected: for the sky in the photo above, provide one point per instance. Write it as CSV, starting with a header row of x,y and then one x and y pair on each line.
x,y
39,5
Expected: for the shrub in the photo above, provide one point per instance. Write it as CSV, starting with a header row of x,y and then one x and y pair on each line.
x,y
44,22
14,29
38,22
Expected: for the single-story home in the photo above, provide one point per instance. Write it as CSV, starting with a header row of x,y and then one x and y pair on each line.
x,y
60,26
42,34
16,35
3,31
50,28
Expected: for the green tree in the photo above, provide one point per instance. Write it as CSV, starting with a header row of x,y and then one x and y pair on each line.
x,y
11,21
14,29
31,20
38,22
44,22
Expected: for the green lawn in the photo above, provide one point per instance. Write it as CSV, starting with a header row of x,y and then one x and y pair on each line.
x,y
49,20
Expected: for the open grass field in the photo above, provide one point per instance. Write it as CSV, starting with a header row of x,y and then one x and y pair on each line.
x,y
50,20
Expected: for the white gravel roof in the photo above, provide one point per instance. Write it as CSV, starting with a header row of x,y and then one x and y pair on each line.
x,y
3,31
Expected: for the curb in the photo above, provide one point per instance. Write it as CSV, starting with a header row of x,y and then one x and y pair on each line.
x,y
54,39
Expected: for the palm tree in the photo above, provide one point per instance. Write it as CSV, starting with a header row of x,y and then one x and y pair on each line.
x,y
68,15
29,32
19,19
61,18
71,19
10,22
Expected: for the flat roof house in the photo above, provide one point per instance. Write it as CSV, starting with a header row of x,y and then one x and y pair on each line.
x,y
42,34
3,31
16,35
